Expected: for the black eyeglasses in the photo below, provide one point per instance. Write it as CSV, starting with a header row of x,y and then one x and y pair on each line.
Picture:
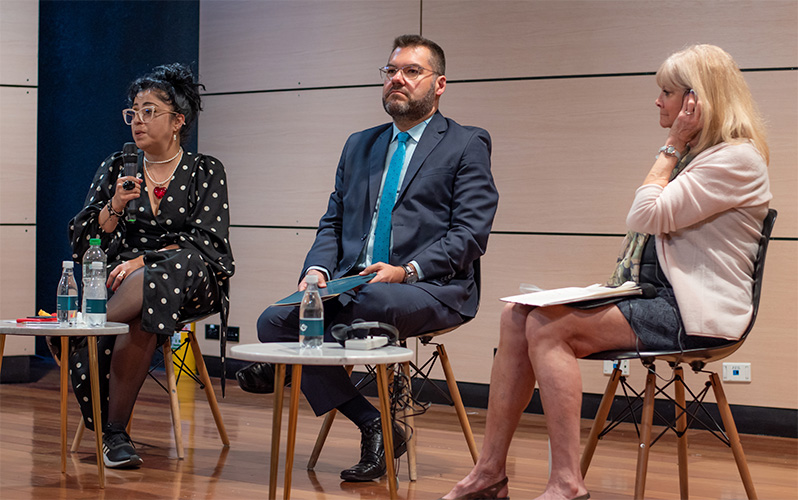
x,y
145,114
410,72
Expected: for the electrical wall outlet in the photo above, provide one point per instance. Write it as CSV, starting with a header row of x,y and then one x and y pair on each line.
x,y
736,372
232,334
610,365
212,332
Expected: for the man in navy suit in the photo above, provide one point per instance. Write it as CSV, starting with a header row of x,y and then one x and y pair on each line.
x,y
443,209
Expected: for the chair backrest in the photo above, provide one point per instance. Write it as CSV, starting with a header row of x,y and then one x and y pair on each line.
x,y
759,265
427,337
698,357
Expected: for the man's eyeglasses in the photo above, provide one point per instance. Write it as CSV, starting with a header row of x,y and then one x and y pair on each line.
x,y
410,72
145,114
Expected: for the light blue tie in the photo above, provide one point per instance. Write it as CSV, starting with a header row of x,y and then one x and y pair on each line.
x,y
382,233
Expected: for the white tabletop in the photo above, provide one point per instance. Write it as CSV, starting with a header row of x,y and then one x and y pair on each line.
x,y
331,353
11,327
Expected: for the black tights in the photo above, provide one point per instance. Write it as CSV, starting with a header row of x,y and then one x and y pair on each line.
x,y
132,353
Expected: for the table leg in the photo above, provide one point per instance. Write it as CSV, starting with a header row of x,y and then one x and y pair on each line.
x,y
64,395
277,416
387,427
95,407
296,383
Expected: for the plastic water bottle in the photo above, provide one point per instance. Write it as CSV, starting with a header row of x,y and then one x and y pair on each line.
x,y
93,254
311,316
67,296
95,295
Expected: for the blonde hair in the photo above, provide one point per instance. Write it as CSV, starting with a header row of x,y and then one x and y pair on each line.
x,y
728,111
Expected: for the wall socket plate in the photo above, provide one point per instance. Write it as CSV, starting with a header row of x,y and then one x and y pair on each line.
x,y
212,332
736,372
232,334
610,365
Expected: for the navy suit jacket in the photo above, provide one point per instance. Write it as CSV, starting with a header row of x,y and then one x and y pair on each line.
x,y
443,214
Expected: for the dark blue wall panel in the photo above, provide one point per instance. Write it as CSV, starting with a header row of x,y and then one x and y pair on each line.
x,y
88,54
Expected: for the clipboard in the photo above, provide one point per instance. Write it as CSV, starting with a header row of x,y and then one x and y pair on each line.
x,y
334,288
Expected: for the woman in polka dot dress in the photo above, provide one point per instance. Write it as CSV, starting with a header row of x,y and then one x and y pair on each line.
x,y
173,262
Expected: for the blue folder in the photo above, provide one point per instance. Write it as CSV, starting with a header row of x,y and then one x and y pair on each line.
x,y
333,289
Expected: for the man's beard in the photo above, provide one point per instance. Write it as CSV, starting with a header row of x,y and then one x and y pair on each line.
x,y
412,109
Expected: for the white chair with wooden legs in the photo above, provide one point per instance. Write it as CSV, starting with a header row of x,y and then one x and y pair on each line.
x,y
685,414
451,383
406,367
171,389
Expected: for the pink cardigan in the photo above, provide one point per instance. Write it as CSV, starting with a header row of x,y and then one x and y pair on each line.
x,y
707,223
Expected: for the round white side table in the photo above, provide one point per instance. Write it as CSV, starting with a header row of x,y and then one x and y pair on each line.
x,y
289,353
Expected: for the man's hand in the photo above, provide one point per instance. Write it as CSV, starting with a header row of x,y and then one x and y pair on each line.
x,y
386,273
322,280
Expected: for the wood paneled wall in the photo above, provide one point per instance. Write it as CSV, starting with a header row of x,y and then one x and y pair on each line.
x,y
566,90
19,37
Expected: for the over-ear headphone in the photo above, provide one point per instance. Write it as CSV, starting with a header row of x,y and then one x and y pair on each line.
x,y
360,329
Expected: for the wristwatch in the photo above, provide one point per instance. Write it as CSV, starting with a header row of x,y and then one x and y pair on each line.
x,y
670,150
411,276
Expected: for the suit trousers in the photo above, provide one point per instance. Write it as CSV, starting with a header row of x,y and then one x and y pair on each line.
x,y
410,309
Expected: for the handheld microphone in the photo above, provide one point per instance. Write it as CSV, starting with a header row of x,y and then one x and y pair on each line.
x,y
130,156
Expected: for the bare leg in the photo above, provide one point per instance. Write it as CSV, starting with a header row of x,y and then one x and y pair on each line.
x,y
512,382
133,352
557,337
547,342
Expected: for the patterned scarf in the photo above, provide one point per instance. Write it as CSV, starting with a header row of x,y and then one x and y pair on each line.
x,y
628,266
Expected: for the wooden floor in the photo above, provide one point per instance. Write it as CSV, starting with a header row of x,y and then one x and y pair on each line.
x,y
29,455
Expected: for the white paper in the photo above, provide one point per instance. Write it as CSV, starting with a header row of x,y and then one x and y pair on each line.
x,y
573,294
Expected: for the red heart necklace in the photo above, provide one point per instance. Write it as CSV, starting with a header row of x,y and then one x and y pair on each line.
x,y
159,190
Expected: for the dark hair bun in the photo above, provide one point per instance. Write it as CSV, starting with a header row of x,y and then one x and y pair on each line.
x,y
178,88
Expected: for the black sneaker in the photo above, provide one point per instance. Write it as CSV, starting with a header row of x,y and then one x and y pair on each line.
x,y
118,450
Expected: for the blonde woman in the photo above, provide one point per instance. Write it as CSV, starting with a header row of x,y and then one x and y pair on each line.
x,y
694,230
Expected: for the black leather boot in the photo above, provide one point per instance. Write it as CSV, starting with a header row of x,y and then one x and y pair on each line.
x,y
372,453
259,378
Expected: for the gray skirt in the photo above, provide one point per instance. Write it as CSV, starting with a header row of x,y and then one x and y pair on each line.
x,y
658,324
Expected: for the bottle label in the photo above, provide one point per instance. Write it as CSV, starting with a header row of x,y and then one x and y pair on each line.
x,y
311,327
67,303
95,306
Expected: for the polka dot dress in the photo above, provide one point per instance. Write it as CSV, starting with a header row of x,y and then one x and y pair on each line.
x,y
193,214
181,283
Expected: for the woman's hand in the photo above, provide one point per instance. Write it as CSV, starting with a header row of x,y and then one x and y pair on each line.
x,y
122,196
688,124
122,270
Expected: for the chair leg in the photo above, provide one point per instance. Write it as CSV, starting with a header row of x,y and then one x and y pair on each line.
x,y
681,430
646,421
173,402
454,392
78,436
329,418
734,438
2,349
202,372
600,420
82,428
407,417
